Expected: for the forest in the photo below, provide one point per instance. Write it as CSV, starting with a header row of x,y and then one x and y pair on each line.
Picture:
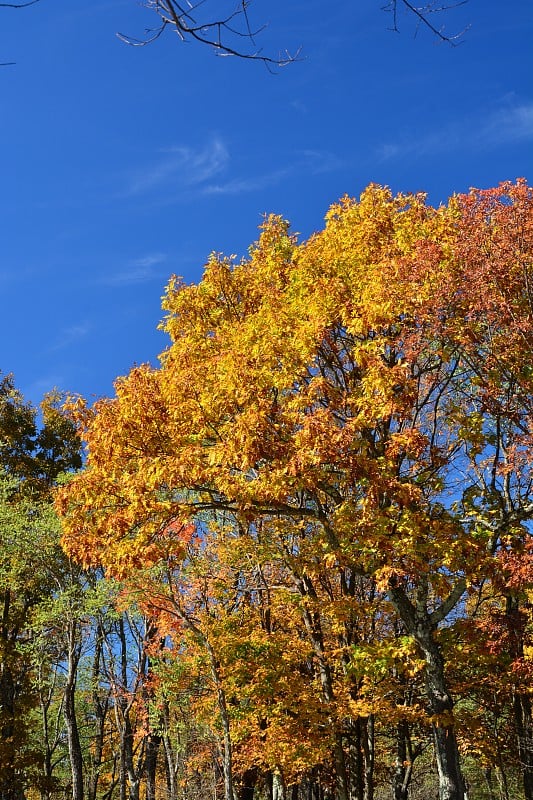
x,y
294,560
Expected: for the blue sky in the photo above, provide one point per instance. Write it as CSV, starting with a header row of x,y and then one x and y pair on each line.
x,y
121,166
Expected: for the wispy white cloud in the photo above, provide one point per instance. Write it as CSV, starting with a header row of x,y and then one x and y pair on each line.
x,y
43,385
299,105
139,270
309,161
321,161
388,151
510,122
180,166
245,185
71,335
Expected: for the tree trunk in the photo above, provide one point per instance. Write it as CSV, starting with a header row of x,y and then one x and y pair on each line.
x,y
130,774
150,764
247,785
170,766
73,735
405,757
278,786
521,701
487,773
12,674
100,709
451,784
227,749
356,762
227,752
367,741
314,630
10,788
503,785
524,734
127,743
50,728
361,758
421,625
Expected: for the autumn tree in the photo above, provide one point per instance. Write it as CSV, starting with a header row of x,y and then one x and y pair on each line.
x,y
347,397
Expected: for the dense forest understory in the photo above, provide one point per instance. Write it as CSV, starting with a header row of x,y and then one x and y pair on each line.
x,y
297,561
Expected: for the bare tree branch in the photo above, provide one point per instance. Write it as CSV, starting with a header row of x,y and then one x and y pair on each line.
x,y
230,34
422,14
15,5
18,5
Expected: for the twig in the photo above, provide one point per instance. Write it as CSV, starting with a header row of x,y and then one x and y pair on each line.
x,y
217,33
422,14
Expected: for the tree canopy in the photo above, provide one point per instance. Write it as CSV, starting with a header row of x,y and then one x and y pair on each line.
x,y
344,424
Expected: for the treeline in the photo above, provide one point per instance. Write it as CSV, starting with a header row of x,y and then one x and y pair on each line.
x,y
314,519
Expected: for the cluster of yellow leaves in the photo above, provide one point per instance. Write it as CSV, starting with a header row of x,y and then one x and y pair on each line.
x,y
281,373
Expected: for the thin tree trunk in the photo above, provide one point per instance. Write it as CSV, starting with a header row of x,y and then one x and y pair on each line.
x,y
314,629
51,728
367,741
227,750
11,727
356,763
170,767
9,784
524,735
100,710
227,753
73,735
487,773
405,757
45,702
399,787
129,773
521,702
502,784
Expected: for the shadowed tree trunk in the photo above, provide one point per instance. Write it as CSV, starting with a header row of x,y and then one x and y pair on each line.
x,y
73,735
521,701
100,710
153,743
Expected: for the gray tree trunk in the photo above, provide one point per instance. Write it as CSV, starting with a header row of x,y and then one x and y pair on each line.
x,y
421,625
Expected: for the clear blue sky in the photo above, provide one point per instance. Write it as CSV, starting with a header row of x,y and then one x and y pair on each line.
x,y
121,165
